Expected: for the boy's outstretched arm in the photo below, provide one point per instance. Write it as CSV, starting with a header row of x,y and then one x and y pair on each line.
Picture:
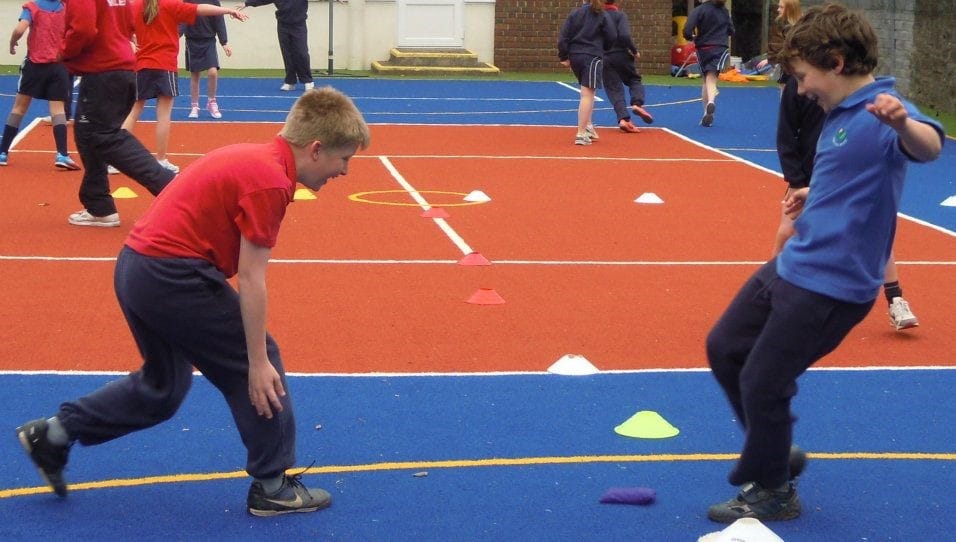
x,y
921,141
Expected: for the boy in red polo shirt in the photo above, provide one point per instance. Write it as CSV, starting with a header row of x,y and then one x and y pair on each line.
x,y
219,218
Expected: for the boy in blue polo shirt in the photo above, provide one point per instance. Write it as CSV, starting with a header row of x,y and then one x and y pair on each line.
x,y
799,306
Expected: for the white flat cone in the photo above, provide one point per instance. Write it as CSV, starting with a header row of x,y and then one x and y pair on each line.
x,y
648,197
477,196
743,530
949,202
573,365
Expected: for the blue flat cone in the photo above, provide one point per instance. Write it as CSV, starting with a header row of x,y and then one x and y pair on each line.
x,y
646,424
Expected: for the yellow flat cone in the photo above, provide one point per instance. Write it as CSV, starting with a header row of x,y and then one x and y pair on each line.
x,y
124,193
646,424
303,194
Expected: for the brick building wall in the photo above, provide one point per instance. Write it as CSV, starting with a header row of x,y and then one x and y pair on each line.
x,y
526,33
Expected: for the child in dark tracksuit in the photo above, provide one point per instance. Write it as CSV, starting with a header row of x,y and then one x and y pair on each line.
x,y
585,35
293,40
713,26
799,306
218,220
620,71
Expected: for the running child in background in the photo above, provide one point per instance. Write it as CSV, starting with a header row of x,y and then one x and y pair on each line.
x,y
585,35
42,76
620,71
709,27
798,129
156,29
800,306
201,56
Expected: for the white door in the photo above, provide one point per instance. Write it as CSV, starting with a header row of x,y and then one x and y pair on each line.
x,y
431,23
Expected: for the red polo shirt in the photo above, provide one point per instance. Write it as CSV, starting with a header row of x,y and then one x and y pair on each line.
x,y
241,190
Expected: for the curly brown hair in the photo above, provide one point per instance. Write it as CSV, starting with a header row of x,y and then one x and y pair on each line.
x,y
827,32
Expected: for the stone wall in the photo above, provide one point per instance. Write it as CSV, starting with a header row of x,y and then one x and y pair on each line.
x,y
916,46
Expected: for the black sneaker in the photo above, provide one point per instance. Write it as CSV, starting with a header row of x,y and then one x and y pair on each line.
x,y
756,502
49,458
708,119
292,496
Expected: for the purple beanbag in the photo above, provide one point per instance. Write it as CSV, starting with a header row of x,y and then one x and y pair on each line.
x,y
629,495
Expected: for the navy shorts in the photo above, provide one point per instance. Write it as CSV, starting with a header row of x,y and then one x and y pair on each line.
x,y
49,82
712,58
201,54
152,83
588,69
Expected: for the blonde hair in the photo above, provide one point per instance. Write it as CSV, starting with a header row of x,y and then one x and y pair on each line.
x,y
327,115
791,12
597,6
150,10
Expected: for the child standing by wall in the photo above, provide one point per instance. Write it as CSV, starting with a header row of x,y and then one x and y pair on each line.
x,y
293,34
709,26
42,76
788,12
620,71
157,54
584,36
219,219
799,306
201,56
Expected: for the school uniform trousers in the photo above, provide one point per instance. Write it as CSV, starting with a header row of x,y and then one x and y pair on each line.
x,y
294,46
770,334
619,71
103,102
183,313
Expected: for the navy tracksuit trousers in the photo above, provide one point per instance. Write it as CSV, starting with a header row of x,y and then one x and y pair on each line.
x,y
771,333
183,313
103,102
294,46
620,72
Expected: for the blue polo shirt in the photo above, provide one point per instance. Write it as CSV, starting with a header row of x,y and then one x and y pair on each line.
x,y
845,233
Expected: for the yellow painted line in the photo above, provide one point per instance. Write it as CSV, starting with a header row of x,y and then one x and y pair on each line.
x,y
361,197
470,463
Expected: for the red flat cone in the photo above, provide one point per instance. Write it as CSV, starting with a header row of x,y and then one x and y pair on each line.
x,y
474,258
435,212
485,296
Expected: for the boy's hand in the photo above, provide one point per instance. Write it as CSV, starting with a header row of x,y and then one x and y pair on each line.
x,y
227,49
889,110
793,202
265,388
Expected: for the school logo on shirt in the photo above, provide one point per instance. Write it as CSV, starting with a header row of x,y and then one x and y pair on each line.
x,y
839,138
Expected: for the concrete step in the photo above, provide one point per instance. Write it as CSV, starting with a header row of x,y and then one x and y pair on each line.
x,y
433,62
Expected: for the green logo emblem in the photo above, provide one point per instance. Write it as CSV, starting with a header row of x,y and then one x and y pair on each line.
x,y
839,138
